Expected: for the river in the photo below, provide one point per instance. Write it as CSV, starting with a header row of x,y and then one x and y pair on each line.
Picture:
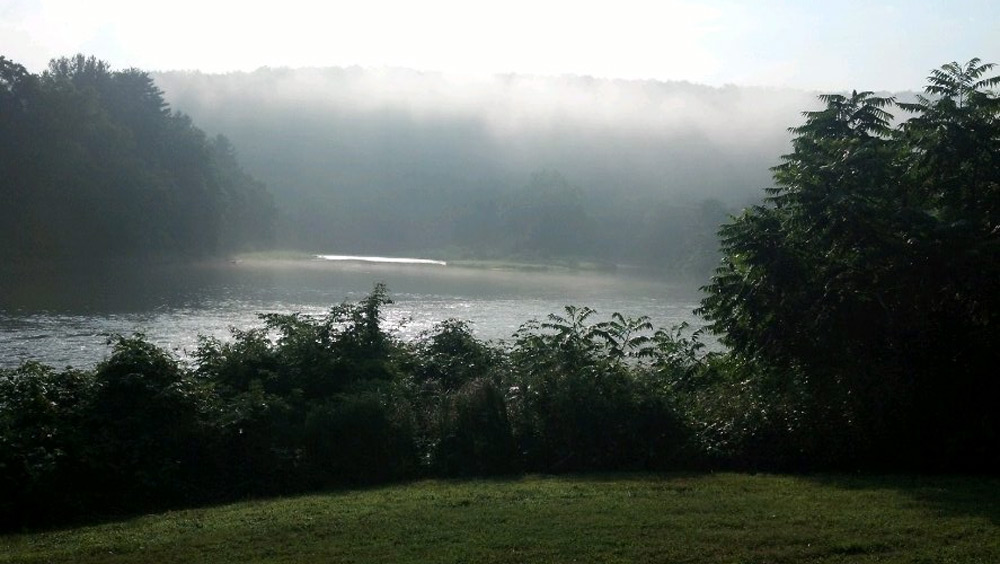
x,y
64,317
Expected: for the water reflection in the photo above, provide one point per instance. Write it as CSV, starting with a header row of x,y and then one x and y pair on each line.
x,y
64,316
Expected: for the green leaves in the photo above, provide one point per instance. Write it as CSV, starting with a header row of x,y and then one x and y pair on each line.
x,y
961,83
860,114
850,293
93,163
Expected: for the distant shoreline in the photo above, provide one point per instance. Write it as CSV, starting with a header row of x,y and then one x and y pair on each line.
x,y
275,258
557,265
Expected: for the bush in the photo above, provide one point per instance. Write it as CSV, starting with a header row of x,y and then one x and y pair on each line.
x,y
358,439
581,399
474,436
42,443
149,428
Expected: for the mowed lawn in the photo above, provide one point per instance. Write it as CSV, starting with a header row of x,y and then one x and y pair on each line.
x,y
731,518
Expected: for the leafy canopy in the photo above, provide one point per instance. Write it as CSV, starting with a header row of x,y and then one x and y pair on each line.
x,y
863,291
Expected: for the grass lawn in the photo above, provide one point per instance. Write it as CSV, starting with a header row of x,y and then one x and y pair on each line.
x,y
732,518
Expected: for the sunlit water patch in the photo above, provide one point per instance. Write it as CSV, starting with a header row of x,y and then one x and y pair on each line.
x,y
383,260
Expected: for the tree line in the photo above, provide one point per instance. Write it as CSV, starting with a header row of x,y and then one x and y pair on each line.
x,y
94,164
549,218
525,168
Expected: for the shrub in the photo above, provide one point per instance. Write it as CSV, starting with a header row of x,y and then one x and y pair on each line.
x,y
474,436
148,427
42,443
358,439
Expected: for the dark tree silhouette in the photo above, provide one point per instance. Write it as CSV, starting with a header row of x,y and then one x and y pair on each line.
x,y
863,293
94,164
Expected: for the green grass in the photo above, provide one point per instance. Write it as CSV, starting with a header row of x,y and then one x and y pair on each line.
x,y
728,518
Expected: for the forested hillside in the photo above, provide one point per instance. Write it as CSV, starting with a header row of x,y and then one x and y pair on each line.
x,y
399,161
94,164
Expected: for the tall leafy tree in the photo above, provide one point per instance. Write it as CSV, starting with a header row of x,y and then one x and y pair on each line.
x,y
861,294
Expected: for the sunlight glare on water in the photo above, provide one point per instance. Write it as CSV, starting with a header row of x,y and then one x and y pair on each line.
x,y
385,260
66,318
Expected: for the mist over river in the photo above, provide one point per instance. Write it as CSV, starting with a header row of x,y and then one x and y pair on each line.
x,y
65,316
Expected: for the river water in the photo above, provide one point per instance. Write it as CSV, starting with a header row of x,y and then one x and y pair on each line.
x,y
64,317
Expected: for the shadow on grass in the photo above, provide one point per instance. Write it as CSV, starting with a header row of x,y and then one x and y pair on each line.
x,y
949,495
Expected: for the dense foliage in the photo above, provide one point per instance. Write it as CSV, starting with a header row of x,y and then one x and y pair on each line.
x,y
94,164
304,403
861,300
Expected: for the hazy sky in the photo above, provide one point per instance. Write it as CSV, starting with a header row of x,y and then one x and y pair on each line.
x,y
825,45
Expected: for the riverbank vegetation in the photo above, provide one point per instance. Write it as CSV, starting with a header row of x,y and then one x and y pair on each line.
x,y
304,404
858,305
